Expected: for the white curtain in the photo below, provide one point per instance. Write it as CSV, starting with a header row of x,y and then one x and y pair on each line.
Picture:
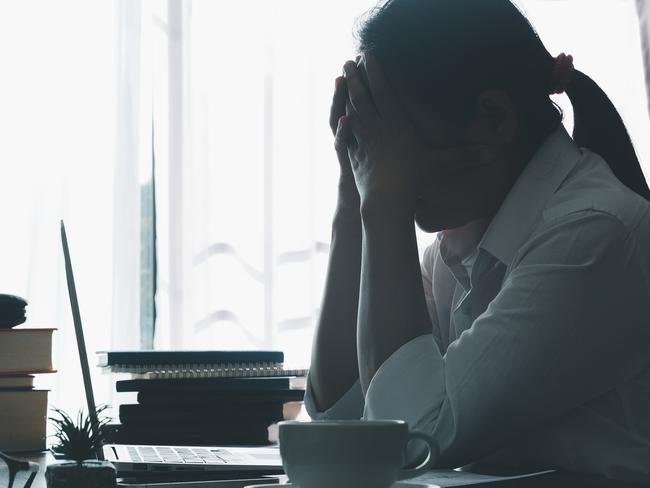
x,y
643,9
604,38
246,172
246,195
68,148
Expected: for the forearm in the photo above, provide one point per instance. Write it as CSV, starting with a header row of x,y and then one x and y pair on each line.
x,y
392,306
334,365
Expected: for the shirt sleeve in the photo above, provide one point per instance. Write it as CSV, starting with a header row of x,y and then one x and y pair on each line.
x,y
569,324
351,404
348,407
404,387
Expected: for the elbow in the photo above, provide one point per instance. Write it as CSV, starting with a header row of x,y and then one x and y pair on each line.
x,y
441,423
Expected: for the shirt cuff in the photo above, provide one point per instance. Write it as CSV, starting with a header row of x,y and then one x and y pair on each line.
x,y
348,407
409,385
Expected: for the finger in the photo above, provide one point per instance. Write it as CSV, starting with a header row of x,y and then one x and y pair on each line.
x,y
381,91
338,103
344,142
358,94
341,137
354,122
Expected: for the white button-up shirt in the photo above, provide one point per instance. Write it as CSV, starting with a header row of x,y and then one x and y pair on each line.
x,y
540,355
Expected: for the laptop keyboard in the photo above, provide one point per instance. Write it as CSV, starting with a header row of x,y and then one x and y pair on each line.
x,y
175,455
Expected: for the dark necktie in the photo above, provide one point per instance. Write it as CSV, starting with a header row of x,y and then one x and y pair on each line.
x,y
467,306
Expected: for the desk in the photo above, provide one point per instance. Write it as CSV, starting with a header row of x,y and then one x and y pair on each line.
x,y
42,459
561,480
552,480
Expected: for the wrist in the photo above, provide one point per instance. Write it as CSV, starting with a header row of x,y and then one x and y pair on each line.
x,y
348,196
347,206
376,207
346,215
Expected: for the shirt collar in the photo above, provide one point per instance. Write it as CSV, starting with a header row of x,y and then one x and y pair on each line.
x,y
518,214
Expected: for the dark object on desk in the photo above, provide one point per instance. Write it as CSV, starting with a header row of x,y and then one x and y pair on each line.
x,y
199,434
178,358
15,465
156,398
197,364
205,385
201,398
205,416
77,440
143,414
175,359
87,474
12,311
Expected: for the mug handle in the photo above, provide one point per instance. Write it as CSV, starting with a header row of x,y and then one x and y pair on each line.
x,y
427,464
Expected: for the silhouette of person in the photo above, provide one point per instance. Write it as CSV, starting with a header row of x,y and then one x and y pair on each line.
x,y
521,339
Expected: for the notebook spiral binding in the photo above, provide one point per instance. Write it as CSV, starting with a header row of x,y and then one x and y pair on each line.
x,y
221,370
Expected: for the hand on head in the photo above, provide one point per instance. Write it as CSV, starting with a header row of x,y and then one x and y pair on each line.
x,y
391,162
348,194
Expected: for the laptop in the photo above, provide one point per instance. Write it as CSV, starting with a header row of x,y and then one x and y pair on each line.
x,y
158,459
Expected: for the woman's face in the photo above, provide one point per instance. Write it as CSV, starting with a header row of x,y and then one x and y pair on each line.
x,y
475,190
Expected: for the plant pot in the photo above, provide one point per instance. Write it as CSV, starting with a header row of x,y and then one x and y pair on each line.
x,y
87,474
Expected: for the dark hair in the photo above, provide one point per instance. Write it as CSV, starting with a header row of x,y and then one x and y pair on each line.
x,y
446,52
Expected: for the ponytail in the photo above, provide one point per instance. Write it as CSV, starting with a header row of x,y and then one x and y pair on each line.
x,y
599,128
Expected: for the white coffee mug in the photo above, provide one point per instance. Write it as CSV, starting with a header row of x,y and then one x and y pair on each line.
x,y
350,453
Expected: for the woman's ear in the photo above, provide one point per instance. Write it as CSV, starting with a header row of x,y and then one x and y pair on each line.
x,y
496,117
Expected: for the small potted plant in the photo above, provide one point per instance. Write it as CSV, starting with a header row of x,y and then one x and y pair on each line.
x,y
78,444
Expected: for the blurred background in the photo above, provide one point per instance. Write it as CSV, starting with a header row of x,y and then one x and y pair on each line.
x,y
185,143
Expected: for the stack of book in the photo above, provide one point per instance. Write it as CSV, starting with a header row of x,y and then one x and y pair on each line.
x,y
23,409
203,397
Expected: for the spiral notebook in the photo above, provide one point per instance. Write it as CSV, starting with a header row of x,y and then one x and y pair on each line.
x,y
196,364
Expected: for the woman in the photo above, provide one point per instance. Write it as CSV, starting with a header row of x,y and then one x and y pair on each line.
x,y
522,338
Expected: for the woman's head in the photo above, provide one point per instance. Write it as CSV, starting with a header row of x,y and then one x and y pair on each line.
x,y
482,74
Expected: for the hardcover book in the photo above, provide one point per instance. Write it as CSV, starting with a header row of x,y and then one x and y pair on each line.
x,y
196,364
235,413
23,420
205,385
25,351
158,398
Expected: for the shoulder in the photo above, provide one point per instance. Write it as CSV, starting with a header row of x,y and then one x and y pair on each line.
x,y
591,188
591,214
432,263
430,253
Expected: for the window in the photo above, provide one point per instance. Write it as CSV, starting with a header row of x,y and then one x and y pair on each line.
x,y
246,179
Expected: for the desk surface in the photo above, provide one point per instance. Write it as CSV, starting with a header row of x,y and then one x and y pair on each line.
x,y
555,480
